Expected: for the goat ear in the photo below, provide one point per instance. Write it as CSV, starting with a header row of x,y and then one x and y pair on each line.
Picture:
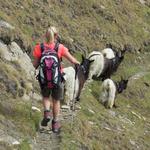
x,y
123,52
83,57
91,61
126,81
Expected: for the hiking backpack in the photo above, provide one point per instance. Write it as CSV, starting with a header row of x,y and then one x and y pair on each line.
x,y
49,72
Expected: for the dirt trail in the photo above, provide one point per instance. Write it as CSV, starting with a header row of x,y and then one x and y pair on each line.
x,y
46,139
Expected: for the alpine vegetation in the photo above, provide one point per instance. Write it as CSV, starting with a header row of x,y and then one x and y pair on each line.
x,y
110,90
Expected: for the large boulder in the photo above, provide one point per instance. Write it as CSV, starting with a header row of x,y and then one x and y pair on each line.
x,y
12,53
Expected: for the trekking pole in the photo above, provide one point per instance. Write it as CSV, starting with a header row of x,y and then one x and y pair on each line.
x,y
73,101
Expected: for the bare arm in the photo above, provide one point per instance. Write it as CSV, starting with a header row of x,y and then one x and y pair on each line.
x,y
71,58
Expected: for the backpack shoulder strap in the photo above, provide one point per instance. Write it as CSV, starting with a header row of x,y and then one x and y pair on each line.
x,y
42,47
56,46
56,49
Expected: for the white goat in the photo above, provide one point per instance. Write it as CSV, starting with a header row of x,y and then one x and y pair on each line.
x,y
109,91
69,85
74,81
97,65
108,53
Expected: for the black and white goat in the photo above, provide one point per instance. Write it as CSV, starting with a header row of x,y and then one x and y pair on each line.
x,y
103,67
82,72
97,66
74,81
109,91
108,53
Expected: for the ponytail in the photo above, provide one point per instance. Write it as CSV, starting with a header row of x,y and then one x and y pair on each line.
x,y
49,35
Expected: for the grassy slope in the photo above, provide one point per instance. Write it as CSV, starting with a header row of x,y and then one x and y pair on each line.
x,y
17,118
92,24
126,127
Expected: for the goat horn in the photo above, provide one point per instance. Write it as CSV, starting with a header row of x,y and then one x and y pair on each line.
x,y
123,51
114,50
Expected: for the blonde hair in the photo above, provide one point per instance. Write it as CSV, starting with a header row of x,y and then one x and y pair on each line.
x,y
50,32
54,30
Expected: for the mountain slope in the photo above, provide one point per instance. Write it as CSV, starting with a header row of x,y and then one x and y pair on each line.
x,y
84,26
91,24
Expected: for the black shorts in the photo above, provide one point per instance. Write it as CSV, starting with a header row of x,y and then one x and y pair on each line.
x,y
56,93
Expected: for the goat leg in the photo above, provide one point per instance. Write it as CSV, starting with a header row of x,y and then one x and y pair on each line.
x,y
115,106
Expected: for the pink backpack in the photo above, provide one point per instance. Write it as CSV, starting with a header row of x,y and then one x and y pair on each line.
x,y
50,72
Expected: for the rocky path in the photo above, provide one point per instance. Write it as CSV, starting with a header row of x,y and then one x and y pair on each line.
x,y
47,140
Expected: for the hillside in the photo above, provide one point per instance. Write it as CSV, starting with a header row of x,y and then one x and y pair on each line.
x,y
91,24
85,25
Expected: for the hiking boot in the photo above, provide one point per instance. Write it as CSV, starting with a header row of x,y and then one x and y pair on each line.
x,y
47,118
56,126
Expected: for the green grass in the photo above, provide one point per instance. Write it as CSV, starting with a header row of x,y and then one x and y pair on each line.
x,y
25,145
76,21
91,24
102,130
22,116
25,121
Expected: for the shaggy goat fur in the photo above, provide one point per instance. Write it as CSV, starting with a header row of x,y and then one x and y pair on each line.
x,y
109,91
98,64
69,84
74,81
108,53
102,67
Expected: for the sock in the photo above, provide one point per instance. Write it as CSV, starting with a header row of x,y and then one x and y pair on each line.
x,y
47,110
56,118
47,113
